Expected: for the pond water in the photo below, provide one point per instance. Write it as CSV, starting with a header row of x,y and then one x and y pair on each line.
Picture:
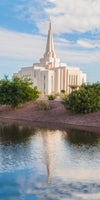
x,y
43,164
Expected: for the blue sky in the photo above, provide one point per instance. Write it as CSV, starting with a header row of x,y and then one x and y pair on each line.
x,y
76,32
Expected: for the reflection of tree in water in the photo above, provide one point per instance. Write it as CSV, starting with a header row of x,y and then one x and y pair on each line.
x,y
14,135
77,137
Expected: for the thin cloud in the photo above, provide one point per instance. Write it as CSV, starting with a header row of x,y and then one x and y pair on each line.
x,y
21,45
74,15
68,16
32,47
90,44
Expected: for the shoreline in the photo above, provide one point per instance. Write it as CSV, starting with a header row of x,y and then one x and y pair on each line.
x,y
49,125
56,118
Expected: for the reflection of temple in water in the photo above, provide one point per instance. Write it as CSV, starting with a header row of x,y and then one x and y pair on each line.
x,y
52,147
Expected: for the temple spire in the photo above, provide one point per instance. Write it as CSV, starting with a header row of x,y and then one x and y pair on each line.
x,y
49,47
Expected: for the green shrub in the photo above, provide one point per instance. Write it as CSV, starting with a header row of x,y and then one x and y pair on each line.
x,y
43,105
51,97
95,86
16,91
82,101
63,91
73,87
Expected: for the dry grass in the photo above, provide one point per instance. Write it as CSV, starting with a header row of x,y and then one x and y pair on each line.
x,y
43,105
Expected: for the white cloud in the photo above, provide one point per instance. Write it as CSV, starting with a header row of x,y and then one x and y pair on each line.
x,y
31,47
73,15
21,45
78,57
67,15
85,44
89,43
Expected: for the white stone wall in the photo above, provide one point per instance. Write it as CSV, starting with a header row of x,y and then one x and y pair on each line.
x,y
61,78
51,83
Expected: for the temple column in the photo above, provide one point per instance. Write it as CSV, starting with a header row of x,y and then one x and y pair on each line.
x,y
62,87
65,79
61,79
67,82
58,80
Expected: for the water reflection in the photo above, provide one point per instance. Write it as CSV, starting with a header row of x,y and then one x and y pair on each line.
x,y
71,160
10,135
52,147
77,137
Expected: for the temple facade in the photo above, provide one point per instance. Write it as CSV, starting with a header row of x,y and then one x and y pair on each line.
x,y
50,75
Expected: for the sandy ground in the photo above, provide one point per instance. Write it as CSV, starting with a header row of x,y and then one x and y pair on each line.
x,y
57,117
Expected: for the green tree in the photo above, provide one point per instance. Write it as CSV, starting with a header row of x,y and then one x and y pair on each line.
x,y
84,100
16,91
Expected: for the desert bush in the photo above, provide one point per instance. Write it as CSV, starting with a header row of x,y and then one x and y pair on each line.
x,y
51,97
16,91
84,100
43,105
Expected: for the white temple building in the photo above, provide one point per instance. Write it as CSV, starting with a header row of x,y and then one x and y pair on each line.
x,y
50,75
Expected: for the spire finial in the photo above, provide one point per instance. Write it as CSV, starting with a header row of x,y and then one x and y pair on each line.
x,y
49,23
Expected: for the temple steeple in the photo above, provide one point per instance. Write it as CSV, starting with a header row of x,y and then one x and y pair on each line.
x,y
49,47
49,53
49,59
